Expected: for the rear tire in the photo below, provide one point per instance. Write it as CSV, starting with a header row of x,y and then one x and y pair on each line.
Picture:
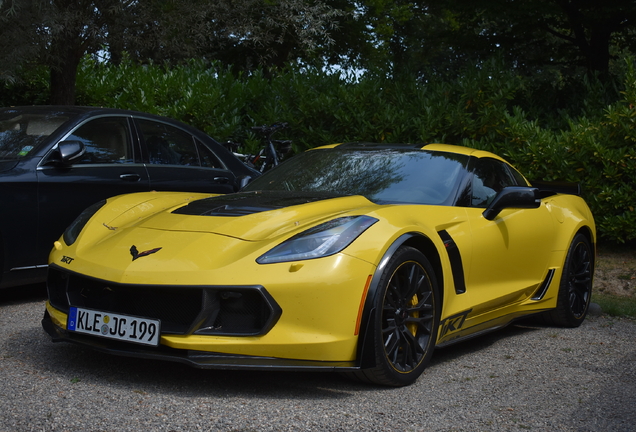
x,y
575,289
407,319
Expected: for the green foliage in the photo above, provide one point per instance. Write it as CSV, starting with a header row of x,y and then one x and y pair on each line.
x,y
599,153
590,142
616,306
31,89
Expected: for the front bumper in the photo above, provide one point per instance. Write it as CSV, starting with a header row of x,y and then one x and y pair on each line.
x,y
199,359
313,321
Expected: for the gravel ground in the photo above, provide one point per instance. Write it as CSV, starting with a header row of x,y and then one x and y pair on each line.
x,y
518,379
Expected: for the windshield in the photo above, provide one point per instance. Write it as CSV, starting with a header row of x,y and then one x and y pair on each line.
x,y
384,176
21,132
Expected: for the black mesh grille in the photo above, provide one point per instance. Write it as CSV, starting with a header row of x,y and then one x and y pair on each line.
x,y
181,309
243,311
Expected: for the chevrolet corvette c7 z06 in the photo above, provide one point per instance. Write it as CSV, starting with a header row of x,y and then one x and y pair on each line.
x,y
360,258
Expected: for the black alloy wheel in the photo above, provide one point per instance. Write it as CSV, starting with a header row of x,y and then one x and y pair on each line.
x,y
407,320
575,290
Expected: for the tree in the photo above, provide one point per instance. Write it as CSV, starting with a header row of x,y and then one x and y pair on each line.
x,y
18,44
387,37
58,33
534,34
397,36
593,26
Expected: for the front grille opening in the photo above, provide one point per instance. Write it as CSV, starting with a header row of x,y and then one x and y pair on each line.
x,y
228,312
181,309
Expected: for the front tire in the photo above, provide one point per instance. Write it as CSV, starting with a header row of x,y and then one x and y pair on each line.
x,y
407,319
575,289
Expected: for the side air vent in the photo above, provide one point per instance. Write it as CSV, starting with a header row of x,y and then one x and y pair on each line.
x,y
455,258
544,286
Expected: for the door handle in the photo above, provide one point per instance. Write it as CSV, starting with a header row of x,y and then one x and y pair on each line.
x,y
222,180
131,177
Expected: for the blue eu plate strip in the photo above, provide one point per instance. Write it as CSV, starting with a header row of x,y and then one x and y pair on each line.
x,y
72,319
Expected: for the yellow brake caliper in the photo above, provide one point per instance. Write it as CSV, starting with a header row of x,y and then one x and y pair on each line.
x,y
411,325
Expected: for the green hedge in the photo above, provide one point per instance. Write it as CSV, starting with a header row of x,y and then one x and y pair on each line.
x,y
548,128
598,152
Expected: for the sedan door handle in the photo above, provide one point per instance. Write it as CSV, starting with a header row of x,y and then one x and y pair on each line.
x,y
222,180
130,177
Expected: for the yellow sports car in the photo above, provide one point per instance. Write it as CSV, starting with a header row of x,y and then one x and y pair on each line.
x,y
360,258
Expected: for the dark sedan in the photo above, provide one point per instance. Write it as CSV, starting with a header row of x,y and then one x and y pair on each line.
x,y
56,161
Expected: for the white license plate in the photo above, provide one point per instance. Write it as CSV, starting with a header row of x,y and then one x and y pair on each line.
x,y
114,326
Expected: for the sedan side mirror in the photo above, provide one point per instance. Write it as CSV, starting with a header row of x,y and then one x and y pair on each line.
x,y
519,197
244,181
70,150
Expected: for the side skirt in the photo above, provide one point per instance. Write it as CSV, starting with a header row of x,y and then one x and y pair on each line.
x,y
486,327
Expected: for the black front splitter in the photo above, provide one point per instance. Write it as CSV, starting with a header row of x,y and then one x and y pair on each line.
x,y
199,359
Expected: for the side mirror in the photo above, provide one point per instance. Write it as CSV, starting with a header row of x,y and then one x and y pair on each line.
x,y
519,197
244,181
70,150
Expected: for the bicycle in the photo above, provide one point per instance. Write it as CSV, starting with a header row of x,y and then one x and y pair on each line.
x,y
271,151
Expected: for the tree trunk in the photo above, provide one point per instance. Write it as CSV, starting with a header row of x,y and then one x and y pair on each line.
x,y
599,51
64,72
593,34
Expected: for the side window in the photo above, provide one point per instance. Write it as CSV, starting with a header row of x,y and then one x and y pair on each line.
x,y
518,177
490,177
168,145
208,158
107,140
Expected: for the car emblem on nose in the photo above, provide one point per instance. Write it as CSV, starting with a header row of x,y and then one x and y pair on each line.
x,y
136,254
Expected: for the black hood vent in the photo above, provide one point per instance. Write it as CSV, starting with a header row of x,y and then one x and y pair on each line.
x,y
232,210
247,203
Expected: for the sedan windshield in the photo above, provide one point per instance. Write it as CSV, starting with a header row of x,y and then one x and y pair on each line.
x,y
382,176
21,132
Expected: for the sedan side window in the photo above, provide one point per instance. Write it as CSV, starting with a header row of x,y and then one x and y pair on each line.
x,y
490,177
208,158
107,141
168,145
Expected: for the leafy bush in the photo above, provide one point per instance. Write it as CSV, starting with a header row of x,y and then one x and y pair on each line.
x,y
31,89
583,132
599,153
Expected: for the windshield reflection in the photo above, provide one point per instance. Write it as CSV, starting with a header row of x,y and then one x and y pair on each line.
x,y
21,132
382,176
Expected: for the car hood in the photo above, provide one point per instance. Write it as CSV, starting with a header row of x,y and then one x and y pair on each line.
x,y
256,216
7,165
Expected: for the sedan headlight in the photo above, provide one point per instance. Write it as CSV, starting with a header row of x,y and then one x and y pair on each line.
x,y
74,229
320,241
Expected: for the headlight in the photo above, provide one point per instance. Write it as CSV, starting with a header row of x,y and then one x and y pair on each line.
x,y
71,233
320,241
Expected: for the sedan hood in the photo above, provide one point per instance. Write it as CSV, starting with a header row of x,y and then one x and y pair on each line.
x,y
255,216
7,165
